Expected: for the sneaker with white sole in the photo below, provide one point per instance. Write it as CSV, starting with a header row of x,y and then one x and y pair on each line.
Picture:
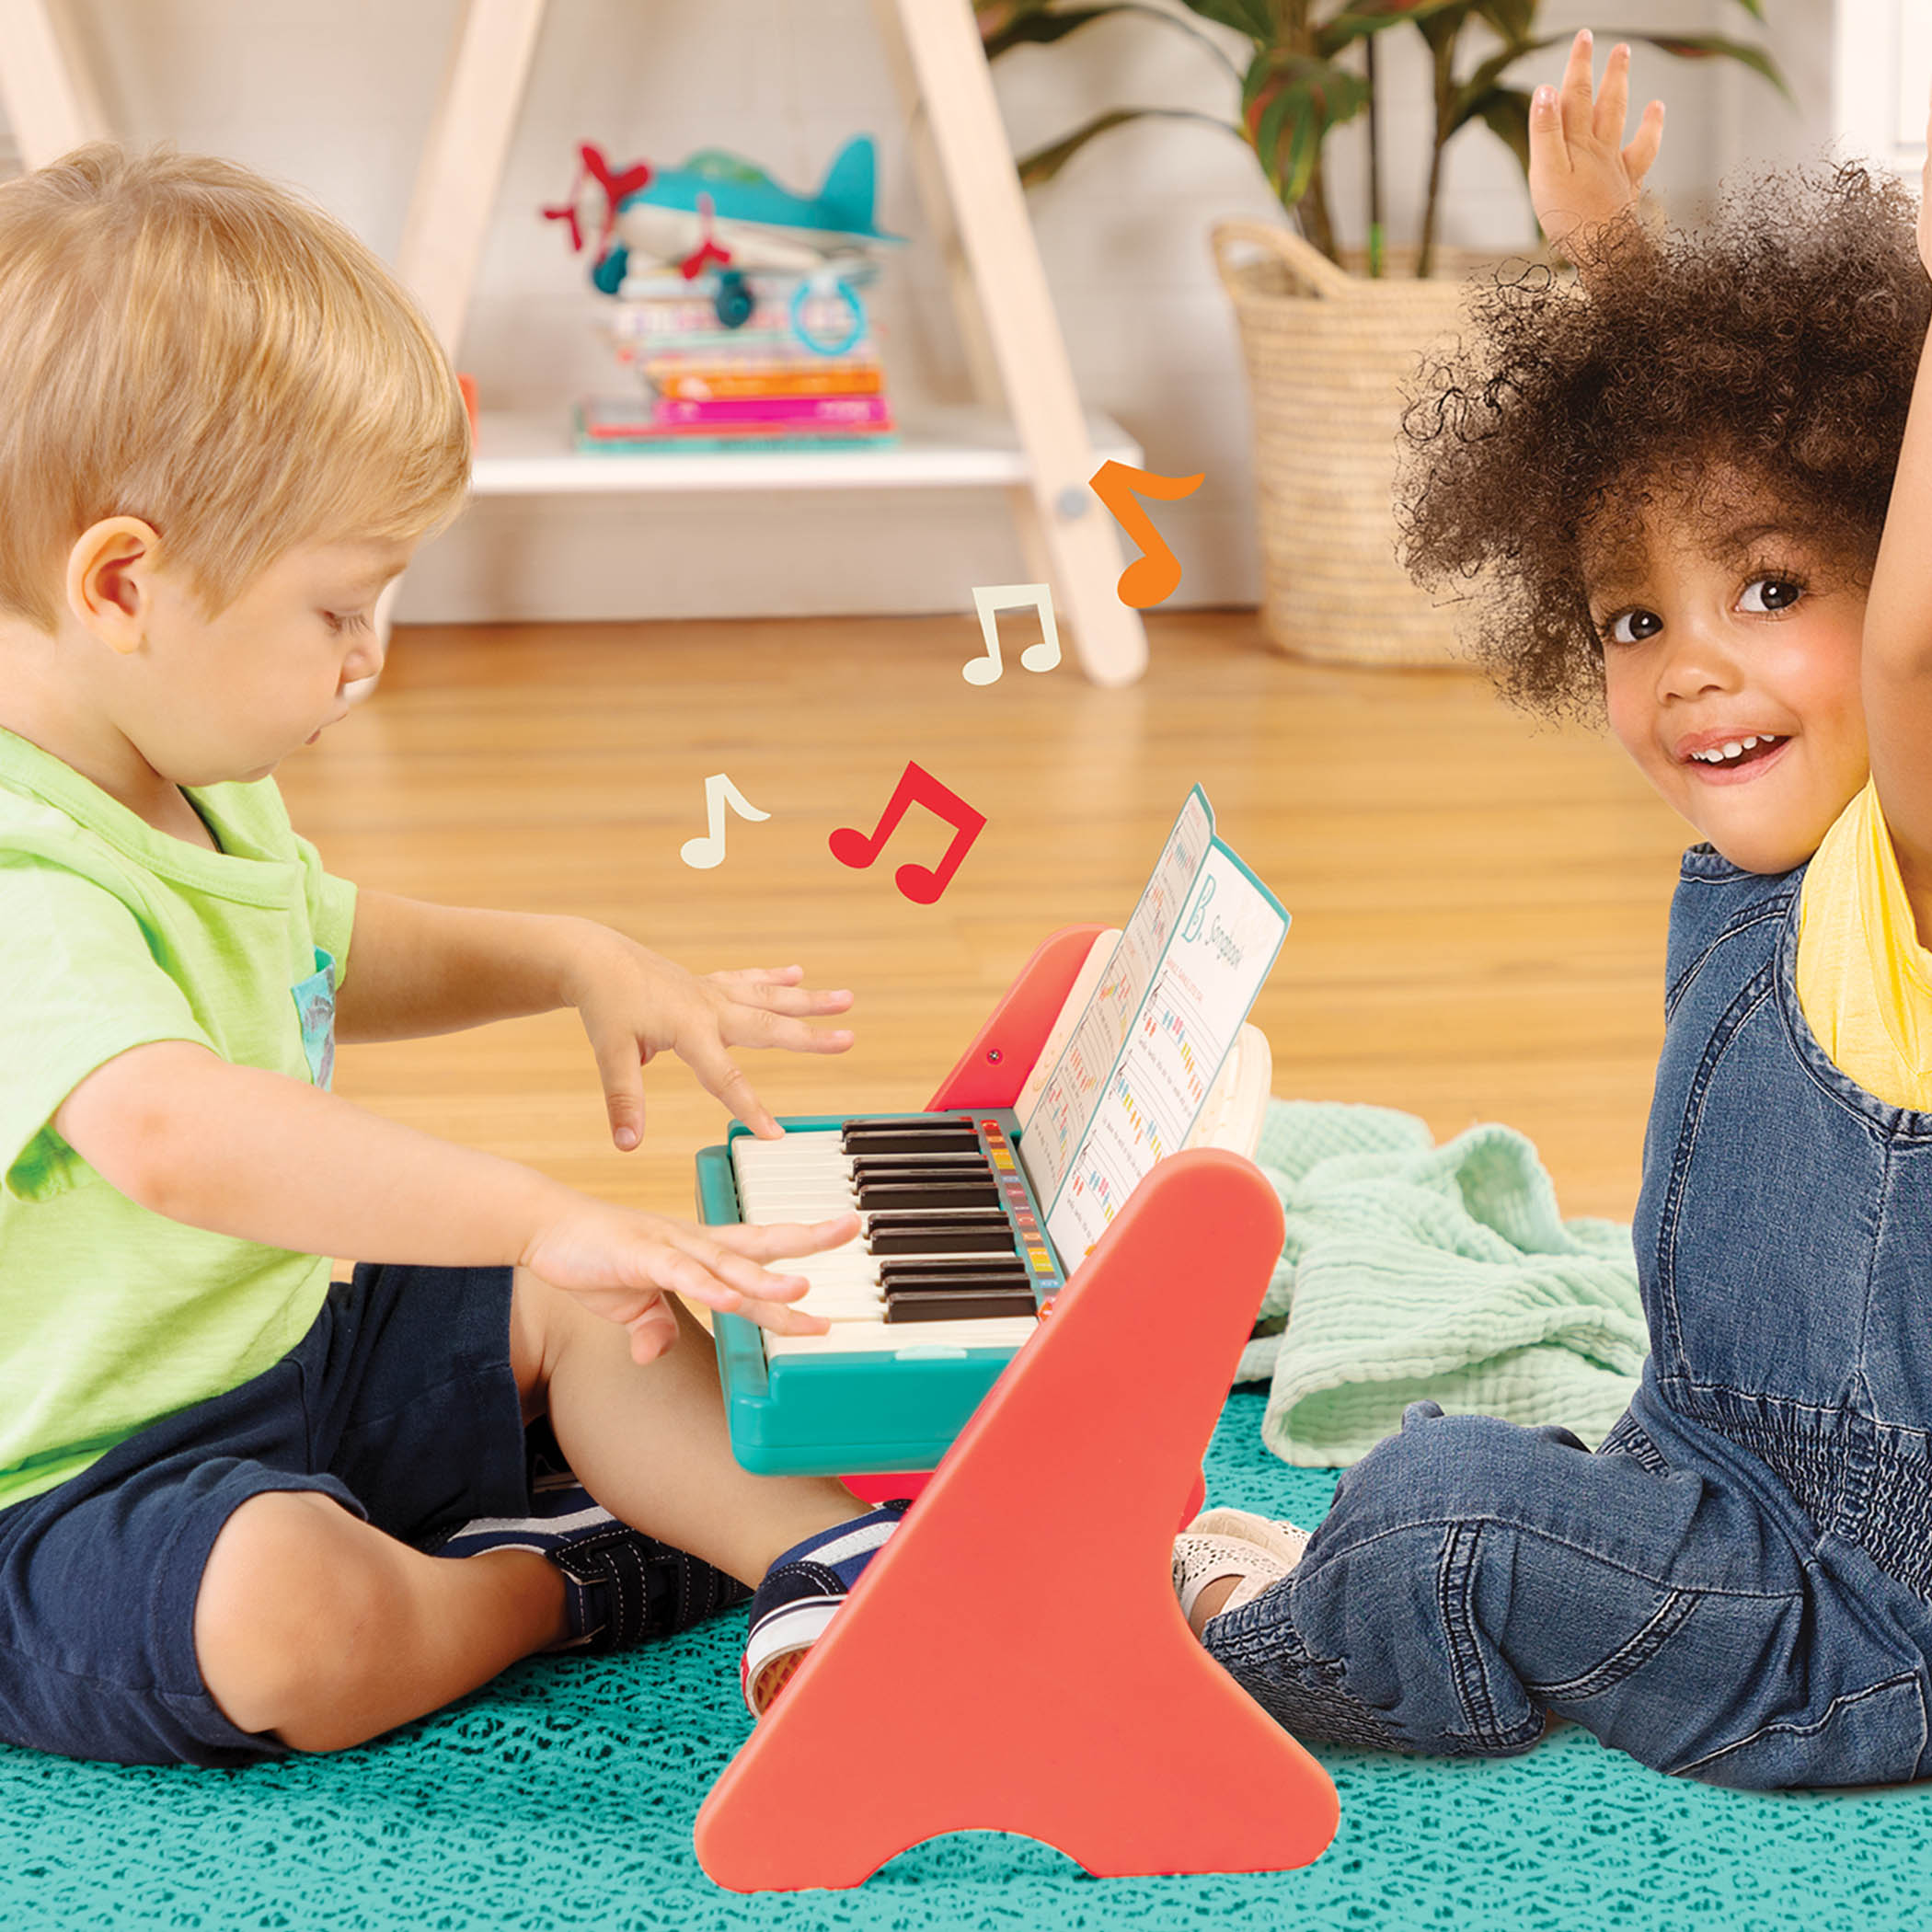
x,y
621,1587
802,1594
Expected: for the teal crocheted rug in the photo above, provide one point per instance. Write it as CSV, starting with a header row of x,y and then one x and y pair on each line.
x,y
563,1795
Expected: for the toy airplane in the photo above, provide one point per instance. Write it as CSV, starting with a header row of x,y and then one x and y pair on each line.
x,y
721,210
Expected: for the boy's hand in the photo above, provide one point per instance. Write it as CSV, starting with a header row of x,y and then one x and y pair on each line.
x,y
619,1262
635,1003
1580,175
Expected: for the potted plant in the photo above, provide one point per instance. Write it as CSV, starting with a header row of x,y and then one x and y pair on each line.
x,y
1327,348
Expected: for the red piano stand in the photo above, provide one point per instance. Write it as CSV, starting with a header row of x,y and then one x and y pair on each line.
x,y
1014,1658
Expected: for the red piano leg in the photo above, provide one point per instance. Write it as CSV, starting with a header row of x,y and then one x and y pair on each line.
x,y
1014,1658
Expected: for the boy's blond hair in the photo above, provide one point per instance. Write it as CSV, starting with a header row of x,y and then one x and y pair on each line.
x,y
187,342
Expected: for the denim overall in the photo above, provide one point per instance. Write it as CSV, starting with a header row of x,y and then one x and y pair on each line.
x,y
1737,1586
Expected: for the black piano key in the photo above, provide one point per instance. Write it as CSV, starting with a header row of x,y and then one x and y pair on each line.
x,y
991,1235
942,1307
936,1158
923,1218
933,1195
900,1167
860,1140
908,1123
941,1134
902,1267
993,1281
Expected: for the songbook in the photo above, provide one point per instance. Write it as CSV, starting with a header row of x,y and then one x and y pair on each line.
x,y
1139,1064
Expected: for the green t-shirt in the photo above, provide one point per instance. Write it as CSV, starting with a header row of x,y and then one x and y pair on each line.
x,y
111,934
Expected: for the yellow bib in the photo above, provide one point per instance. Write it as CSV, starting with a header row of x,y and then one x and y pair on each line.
x,y
1864,981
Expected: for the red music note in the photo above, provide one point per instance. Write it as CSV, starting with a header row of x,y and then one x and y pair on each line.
x,y
916,786
1155,573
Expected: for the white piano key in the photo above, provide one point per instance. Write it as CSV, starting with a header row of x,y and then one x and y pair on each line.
x,y
1007,1331
797,1141
756,1197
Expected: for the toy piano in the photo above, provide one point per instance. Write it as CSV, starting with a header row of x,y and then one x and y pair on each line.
x,y
1089,1126
1112,1050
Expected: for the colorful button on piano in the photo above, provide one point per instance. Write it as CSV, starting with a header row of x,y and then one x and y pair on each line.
x,y
928,1303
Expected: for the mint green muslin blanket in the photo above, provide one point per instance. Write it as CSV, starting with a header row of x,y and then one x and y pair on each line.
x,y
1414,1271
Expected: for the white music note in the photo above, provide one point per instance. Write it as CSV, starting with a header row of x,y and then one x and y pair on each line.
x,y
990,597
704,852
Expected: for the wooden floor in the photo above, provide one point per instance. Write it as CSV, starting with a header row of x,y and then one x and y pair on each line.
x,y
1479,902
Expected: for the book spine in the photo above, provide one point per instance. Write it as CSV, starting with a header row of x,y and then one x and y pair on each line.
x,y
675,412
822,316
715,385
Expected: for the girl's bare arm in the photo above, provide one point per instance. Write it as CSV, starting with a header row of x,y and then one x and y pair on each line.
x,y
1896,659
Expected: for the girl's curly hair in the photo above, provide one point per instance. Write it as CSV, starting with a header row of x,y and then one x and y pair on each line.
x,y
1777,344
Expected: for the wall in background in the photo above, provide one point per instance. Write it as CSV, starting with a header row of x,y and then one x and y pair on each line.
x,y
337,99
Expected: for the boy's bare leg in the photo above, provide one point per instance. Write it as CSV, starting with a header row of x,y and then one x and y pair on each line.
x,y
320,1627
650,1442
316,1625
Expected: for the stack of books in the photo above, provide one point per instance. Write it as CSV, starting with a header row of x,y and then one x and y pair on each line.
x,y
800,371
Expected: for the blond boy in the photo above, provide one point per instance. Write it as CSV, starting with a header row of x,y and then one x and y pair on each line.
x,y
226,428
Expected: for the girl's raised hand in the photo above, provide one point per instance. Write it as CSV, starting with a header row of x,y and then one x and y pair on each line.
x,y
1580,173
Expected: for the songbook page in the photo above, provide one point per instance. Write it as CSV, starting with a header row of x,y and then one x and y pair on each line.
x,y
1066,1103
1137,1071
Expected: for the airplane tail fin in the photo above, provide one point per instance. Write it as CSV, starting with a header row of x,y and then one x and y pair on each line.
x,y
849,189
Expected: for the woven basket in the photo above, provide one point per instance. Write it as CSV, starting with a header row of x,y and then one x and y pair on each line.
x,y
1326,353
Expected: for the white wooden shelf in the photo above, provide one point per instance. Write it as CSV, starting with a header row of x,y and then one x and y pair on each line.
x,y
532,452
1034,440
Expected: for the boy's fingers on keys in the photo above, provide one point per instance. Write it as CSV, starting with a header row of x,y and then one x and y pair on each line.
x,y
778,1240
652,1333
758,1027
725,1082
782,988
755,975
798,1002
739,1271
764,1299
781,1318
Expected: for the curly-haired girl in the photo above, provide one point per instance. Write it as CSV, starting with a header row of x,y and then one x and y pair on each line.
x,y
1669,483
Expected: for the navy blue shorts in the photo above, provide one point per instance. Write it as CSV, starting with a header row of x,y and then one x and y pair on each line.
x,y
399,1402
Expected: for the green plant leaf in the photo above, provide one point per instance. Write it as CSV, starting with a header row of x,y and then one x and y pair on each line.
x,y
1044,163
1513,20
1254,17
1360,19
1481,81
1260,71
1507,111
1041,26
1753,9
1290,113
1715,46
1275,110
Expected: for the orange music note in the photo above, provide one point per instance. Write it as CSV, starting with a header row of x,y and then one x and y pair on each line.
x,y
916,786
1155,573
